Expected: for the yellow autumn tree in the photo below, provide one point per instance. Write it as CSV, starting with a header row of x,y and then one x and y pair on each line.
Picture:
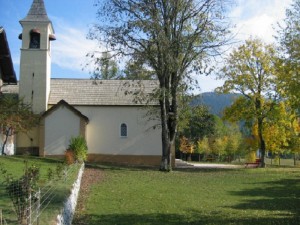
x,y
203,147
186,146
281,130
251,145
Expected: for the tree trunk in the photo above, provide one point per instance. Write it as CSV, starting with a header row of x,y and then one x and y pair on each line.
x,y
262,143
168,121
5,141
166,147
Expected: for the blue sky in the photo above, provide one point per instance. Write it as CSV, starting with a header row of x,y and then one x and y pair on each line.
x,y
72,18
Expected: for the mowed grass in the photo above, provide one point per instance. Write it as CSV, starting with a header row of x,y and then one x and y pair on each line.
x,y
54,191
129,196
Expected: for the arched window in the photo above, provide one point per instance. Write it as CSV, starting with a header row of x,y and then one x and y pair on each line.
x,y
123,130
34,38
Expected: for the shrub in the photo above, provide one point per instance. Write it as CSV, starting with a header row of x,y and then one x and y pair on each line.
x,y
251,156
21,191
79,147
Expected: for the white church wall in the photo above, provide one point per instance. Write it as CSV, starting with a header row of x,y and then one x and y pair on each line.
x,y
60,126
103,131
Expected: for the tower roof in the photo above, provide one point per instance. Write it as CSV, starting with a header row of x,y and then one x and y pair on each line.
x,y
7,73
37,12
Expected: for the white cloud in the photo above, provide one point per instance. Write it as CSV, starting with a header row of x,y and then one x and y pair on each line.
x,y
259,26
257,18
70,49
209,83
253,18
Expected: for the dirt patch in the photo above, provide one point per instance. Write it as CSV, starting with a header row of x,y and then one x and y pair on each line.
x,y
90,177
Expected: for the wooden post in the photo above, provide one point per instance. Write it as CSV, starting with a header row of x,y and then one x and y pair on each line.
x,y
0,216
29,210
38,207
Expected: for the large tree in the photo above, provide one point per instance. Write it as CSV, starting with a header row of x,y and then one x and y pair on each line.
x,y
251,70
172,37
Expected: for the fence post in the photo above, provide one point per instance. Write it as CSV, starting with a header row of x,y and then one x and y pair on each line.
x,y
29,209
38,207
0,216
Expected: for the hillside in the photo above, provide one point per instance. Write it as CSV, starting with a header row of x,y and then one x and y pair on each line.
x,y
215,102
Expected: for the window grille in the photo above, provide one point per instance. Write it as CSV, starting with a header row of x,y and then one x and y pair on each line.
x,y
123,130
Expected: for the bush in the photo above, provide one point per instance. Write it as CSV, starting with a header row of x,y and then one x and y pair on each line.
x,y
79,147
21,191
251,157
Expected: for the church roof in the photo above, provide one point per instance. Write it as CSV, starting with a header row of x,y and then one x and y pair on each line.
x,y
37,12
71,108
7,72
102,92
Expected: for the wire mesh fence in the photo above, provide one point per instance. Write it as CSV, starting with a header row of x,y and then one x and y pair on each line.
x,y
25,204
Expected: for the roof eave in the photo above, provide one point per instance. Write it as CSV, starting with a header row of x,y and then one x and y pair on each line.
x,y
8,74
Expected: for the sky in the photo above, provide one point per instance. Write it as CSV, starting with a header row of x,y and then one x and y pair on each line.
x,y
71,20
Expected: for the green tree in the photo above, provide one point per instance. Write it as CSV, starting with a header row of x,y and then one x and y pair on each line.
x,y
106,67
135,70
172,37
289,40
184,113
251,70
15,116
198,122
202,123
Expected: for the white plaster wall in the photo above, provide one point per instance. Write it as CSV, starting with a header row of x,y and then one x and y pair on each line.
x,y
60,126
103,131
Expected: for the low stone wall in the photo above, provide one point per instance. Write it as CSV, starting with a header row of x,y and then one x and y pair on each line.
x,y
67,213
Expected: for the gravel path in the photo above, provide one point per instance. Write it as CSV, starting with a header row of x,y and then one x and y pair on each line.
x,y
182,164
90,177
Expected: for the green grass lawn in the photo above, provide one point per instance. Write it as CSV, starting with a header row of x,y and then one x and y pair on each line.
x,y
129,196
57,191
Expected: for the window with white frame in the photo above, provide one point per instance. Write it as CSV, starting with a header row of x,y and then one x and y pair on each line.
x,y
123,130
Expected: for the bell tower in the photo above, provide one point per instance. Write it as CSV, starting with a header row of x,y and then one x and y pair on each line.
x,y
35,64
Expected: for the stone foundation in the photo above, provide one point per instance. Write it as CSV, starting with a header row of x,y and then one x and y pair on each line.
x,y
33,151
130,160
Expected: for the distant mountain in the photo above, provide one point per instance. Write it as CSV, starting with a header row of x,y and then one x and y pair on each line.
x,y
215,102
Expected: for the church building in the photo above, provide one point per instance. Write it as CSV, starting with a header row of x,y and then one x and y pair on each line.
x,y
105,112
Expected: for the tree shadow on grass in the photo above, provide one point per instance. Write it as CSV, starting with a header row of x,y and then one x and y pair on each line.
x,y
282,196
195,218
